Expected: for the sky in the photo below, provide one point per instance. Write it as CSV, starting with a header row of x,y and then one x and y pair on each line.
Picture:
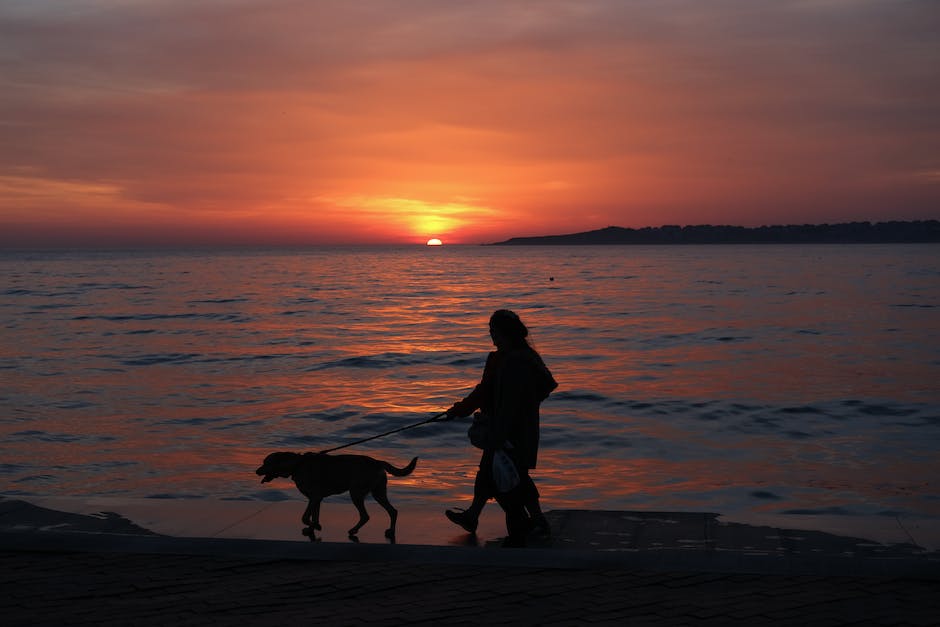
x,y
239,122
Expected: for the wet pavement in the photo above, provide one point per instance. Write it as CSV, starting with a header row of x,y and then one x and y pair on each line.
x,y
76,566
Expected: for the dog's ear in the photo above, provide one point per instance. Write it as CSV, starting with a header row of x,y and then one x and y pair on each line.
x,y
280,464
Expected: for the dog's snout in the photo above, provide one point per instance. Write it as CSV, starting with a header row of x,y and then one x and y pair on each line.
x,y
265,473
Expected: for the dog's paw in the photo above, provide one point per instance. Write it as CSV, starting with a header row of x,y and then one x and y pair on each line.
x,y
309,532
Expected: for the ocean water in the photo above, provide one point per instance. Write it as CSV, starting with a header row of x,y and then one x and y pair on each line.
x,y
789,380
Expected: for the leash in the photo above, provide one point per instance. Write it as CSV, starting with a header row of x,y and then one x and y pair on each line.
x,y
241,520
382,435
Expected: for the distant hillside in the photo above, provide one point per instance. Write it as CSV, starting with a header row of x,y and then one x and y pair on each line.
x,y
845,233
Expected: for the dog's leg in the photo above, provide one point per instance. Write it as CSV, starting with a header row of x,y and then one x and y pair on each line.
x,y
315,516
358,499
311,516
380,494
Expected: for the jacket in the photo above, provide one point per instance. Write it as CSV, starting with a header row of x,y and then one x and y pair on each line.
x,y
513,385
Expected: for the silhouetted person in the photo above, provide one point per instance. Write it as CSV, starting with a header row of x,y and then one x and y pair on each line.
x,y
515,381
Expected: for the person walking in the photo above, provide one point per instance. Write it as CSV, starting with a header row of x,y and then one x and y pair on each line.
x,y
514,383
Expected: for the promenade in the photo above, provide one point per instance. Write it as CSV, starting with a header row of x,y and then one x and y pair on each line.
x,y
636,568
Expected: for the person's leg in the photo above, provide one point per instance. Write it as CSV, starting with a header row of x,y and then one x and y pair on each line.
x,y
482,492
530,498
530,495
513,503
517,522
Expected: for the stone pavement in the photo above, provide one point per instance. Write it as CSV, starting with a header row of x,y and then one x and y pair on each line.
x,y
78,573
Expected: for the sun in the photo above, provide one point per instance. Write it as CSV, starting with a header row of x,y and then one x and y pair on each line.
x,y
434,242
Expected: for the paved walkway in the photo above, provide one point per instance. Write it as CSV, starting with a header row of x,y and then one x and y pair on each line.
x,y
61,574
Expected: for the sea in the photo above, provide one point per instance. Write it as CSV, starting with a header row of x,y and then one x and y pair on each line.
x,y
790,380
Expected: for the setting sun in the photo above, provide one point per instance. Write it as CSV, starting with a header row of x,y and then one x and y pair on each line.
x,y
434,242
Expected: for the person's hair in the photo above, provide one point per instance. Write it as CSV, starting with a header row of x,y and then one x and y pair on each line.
x,y
510,326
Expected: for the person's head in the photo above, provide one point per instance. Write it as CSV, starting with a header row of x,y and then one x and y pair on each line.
x,y
507,329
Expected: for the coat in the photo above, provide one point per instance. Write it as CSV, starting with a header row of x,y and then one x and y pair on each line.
x,y
513,385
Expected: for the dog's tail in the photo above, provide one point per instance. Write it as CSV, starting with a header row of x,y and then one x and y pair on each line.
x,y
401,472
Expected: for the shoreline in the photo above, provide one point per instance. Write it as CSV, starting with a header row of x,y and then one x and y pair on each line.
x,y
688,541
279,520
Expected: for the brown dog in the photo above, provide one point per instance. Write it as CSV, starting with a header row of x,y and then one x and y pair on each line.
x,y
318,475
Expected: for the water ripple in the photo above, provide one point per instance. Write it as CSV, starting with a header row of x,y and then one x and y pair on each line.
x,y
226,317
152,360
33,435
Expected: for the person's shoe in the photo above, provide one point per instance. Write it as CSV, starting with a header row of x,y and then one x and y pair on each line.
x,y
539,526
462,518
513,542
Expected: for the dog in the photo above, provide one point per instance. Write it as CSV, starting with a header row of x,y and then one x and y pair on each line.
x,y
318,475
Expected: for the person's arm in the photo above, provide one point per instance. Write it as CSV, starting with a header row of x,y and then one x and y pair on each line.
x,y
479,396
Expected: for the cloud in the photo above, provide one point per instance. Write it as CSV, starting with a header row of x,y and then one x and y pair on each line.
x,y
633,113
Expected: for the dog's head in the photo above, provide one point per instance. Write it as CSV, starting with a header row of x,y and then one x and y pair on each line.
x,y
278,465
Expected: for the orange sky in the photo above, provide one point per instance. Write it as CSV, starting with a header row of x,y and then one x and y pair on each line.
x,y
128,122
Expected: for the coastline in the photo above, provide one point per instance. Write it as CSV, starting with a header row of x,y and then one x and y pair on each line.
x,y
697,541
894,232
